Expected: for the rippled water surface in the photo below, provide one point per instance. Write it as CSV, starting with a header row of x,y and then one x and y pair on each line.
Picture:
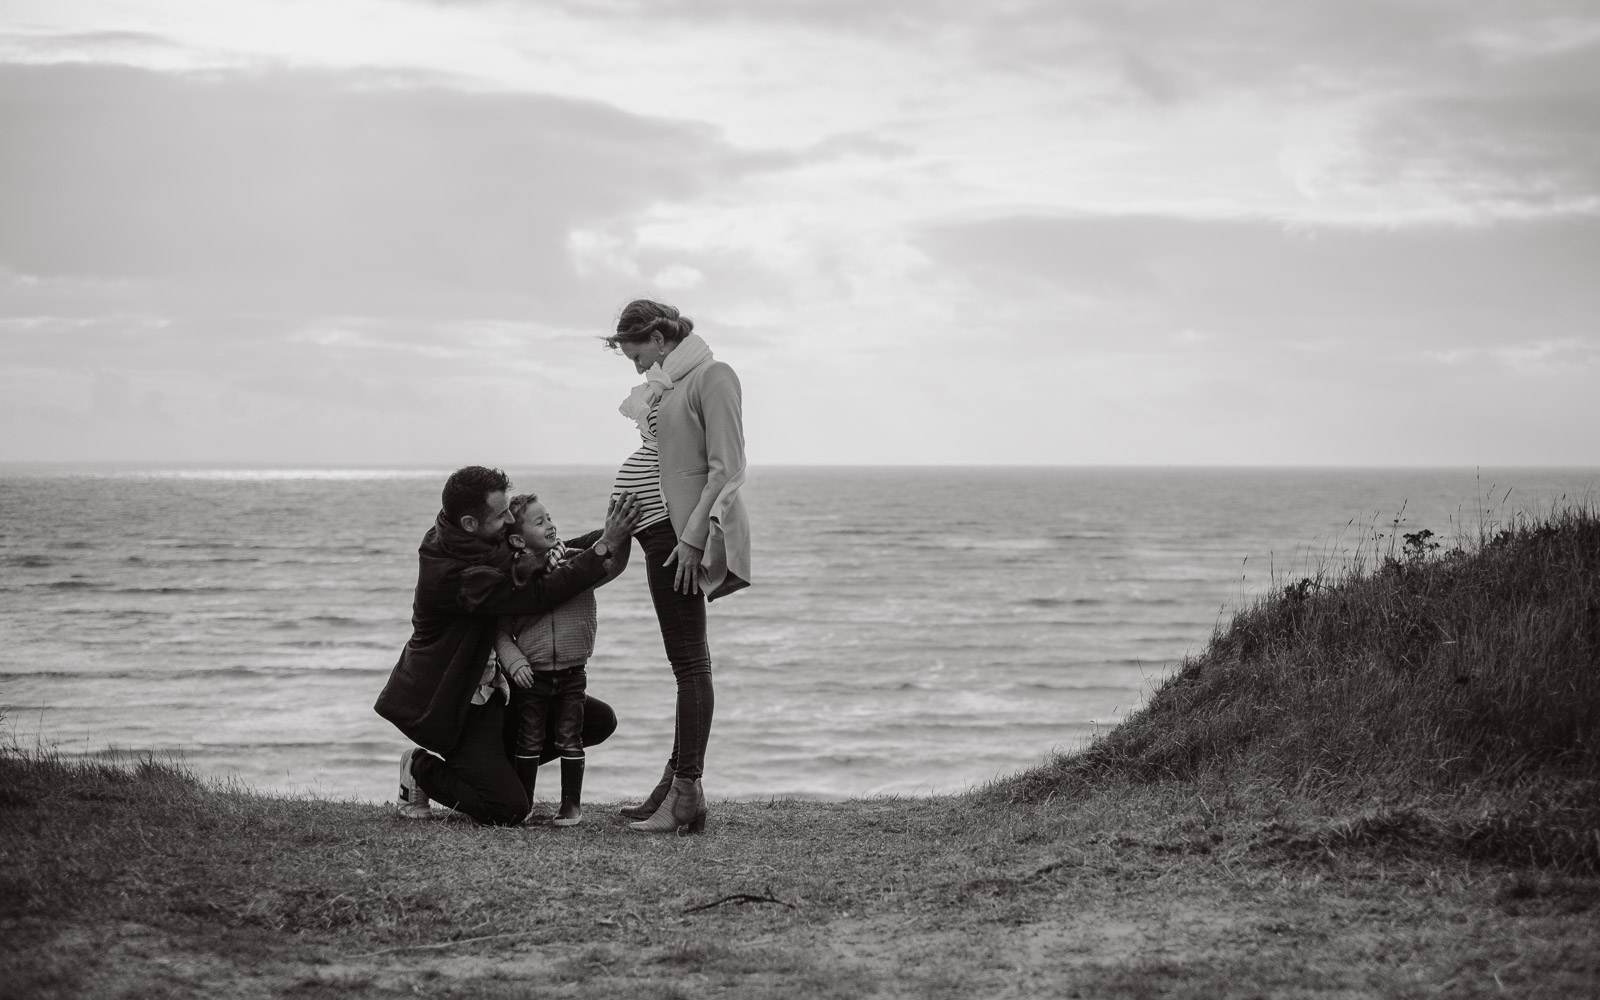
x,y
910,630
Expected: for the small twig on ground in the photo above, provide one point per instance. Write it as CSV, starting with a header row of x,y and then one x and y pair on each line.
x,y
440,944
739,897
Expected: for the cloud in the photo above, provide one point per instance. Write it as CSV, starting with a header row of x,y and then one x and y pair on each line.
x,y
1258,283
1227,341
1381,108
1509,153
1158,45
81,46
311,193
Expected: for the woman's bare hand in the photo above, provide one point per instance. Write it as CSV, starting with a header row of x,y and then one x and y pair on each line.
x,y
622,516
687,559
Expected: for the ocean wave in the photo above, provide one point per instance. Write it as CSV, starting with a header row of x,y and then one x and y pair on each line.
x,y
183,674
1074,688
335,620
217,544
28,561
180,590
114,613
1061,602
272,475
957,722
987,544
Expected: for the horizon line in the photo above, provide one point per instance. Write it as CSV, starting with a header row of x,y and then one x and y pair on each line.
x,y
430,467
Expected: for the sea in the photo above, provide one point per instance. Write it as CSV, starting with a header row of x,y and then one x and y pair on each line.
x,y
910,630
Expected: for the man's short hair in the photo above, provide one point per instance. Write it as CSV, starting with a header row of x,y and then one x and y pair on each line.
x,y
466,492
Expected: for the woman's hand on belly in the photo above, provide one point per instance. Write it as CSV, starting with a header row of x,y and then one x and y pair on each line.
x,y
687,558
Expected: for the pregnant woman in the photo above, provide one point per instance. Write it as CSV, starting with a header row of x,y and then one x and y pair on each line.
x,y
694,533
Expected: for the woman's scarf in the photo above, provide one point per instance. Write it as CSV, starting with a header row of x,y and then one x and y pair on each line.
x,y
690,353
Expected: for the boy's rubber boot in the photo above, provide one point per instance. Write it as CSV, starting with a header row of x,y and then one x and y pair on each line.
x,y
682,811
571,813
528,774
648,807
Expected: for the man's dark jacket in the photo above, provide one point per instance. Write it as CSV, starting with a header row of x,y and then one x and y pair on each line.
x,y
464,583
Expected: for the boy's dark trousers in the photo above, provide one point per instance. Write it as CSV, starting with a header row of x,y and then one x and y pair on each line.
x,y
552,704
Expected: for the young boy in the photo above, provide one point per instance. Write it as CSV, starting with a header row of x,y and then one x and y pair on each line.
x,y
545,656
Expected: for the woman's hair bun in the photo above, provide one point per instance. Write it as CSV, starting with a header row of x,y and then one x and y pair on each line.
x,y
643,317
675,327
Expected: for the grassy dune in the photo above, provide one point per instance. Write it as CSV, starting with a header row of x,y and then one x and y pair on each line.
x,y
1458,692
1383,784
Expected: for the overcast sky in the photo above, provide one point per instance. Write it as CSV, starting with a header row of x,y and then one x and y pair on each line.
x,y
1066,231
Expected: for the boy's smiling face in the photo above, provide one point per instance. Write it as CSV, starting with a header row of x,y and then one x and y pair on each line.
x,y
536,527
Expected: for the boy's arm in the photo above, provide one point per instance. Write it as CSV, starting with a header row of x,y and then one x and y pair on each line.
x,y
506,648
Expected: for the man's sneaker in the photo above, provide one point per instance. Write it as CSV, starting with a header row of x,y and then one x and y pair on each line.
x,y
412,802
410,811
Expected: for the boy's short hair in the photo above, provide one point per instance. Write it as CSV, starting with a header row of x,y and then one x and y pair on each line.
x,y
520,502
467,491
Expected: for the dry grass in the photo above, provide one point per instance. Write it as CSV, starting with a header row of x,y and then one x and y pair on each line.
x,y
142,882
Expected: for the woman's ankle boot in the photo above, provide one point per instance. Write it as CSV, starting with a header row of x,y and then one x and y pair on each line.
x,y
682,811
648,807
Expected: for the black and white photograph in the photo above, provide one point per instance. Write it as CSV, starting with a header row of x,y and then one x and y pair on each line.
x,y
799,499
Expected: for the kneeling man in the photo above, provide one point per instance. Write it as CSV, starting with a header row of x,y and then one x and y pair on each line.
x,y
445,693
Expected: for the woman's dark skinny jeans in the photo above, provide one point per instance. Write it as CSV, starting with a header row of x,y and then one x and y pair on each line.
x,y
683,633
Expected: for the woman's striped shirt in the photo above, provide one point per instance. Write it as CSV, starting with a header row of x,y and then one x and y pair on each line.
x,y
641,476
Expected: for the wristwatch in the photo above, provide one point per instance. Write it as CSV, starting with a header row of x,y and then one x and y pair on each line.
x,y
600,548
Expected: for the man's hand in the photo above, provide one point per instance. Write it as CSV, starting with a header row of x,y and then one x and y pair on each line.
x,y
687,578
522,677
622,516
